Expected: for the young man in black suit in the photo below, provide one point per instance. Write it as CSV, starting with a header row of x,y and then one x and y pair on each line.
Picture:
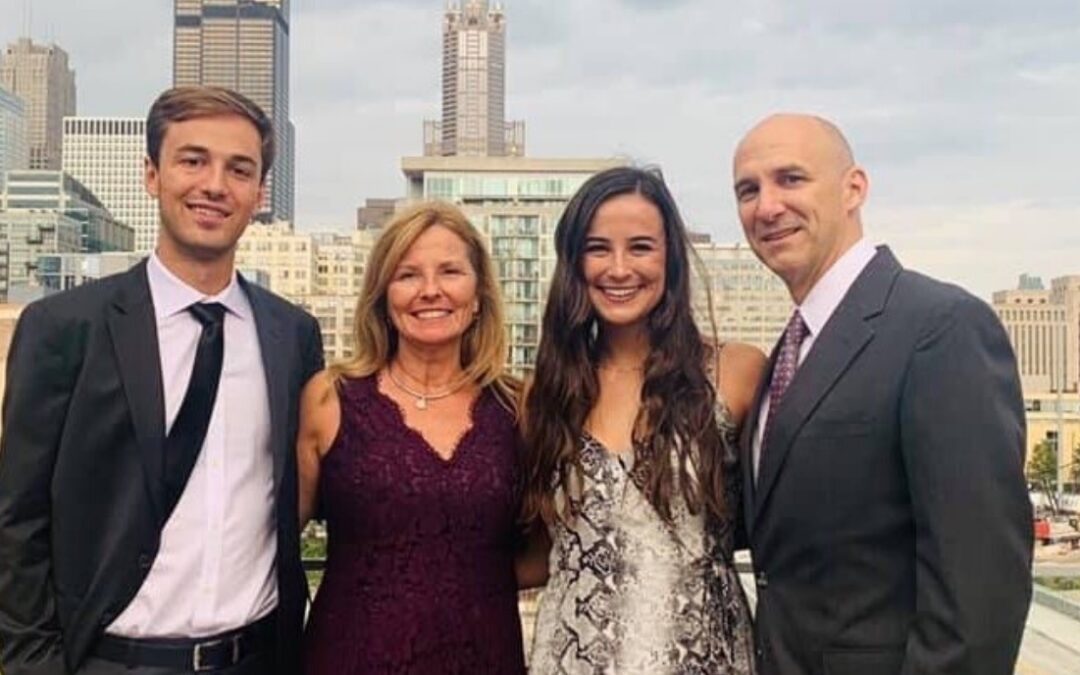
x,y
885,501
148,499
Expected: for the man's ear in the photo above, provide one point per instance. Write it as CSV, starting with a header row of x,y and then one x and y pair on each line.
x,y
151,177
856,188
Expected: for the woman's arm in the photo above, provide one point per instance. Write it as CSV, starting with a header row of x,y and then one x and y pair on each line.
x,y
741,368
320,417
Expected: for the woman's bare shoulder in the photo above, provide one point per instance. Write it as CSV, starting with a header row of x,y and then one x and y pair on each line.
x,y
741,367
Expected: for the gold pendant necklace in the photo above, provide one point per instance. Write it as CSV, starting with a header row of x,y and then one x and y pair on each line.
x,y
422,398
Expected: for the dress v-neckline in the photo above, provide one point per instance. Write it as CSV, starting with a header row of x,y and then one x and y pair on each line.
x,y
427,446
624,459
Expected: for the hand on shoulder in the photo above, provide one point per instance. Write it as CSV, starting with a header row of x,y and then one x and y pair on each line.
x,y
741,368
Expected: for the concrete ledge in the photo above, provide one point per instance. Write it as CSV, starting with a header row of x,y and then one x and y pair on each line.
x,y
1055,601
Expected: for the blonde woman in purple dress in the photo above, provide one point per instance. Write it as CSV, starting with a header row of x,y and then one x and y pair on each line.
x,y
411,452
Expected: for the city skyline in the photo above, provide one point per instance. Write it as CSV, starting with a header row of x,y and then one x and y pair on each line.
x,y
964,122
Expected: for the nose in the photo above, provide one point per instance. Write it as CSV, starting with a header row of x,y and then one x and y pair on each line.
x,y
430,290
619,265
214,181
769,205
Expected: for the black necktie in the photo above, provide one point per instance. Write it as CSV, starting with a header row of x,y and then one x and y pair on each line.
x,y
188,431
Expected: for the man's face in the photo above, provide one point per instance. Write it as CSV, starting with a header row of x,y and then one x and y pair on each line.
x,y
798,196
208,184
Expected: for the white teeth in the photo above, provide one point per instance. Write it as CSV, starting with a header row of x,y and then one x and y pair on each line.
x,y
620,293
432,314
207,212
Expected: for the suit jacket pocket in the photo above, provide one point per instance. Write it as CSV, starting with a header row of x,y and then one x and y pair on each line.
x,y
863,661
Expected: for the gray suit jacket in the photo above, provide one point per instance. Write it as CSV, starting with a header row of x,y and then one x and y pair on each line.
x,y
890,524
81,464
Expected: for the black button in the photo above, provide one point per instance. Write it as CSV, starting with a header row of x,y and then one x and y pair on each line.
x,y
145,561
761,580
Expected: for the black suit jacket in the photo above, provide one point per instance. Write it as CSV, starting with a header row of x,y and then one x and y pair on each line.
x,y
80,466
890,524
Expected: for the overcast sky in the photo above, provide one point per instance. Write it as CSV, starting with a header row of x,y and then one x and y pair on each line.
x,y
966,113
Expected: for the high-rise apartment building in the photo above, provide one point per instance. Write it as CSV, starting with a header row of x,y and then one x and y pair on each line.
x,y
321,272
40,76
48,212
286,256
243,45
14,144
474,86
1065,291
106,155
1044,329
339,273
750,304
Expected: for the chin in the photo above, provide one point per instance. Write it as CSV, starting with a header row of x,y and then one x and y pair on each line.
x,y
621,320
428,341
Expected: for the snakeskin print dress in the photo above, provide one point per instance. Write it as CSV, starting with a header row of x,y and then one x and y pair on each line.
x,y
629,593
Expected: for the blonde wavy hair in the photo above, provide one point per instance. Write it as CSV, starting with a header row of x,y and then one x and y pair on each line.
x,y
375,339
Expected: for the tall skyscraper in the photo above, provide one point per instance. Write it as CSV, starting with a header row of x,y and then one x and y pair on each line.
x,y
106,155
243,45
474,86
40,76
14,145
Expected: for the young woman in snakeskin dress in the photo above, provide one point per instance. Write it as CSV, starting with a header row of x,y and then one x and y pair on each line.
x,y
630,424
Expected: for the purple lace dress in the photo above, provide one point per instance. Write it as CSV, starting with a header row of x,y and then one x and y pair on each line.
x,y
419,574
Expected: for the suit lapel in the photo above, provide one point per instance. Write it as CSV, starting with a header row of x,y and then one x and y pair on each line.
x,y
133,330
844,336
274,360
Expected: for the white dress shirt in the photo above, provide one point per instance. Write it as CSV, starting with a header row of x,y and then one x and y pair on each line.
x,y
817,307
215,568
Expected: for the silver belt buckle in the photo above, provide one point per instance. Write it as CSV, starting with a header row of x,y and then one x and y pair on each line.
x,y
196,657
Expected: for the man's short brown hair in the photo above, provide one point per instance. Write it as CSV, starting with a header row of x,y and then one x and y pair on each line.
x,y
184,103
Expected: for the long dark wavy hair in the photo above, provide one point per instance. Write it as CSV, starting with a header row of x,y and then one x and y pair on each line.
x,y
677,398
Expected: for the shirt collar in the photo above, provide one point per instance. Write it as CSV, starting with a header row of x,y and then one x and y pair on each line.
x,y
171,295
825,296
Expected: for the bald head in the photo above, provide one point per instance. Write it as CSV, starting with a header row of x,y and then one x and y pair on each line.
x,y
818,133
799,194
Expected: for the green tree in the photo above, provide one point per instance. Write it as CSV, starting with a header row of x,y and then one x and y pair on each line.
x,y
1042,469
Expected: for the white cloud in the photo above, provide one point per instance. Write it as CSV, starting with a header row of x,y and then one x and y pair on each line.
x,y
985,247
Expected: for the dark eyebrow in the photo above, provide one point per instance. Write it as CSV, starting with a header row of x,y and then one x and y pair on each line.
x,y
242,159
193,148
644,238
202,150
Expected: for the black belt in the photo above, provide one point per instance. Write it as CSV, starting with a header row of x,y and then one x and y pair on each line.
x,y
212,652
